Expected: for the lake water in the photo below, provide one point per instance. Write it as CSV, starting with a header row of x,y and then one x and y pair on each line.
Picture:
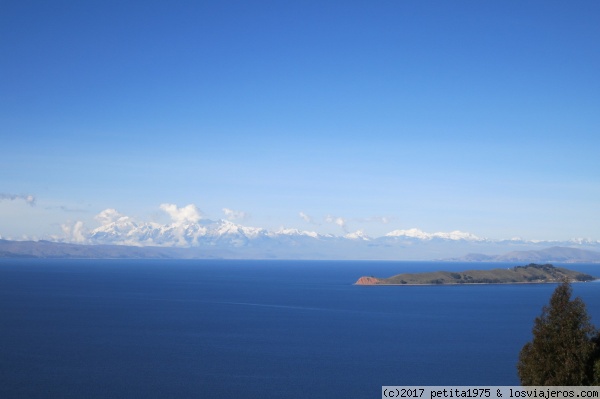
x,y
255,329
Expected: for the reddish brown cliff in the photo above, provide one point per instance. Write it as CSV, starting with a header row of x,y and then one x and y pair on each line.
x,y
367,281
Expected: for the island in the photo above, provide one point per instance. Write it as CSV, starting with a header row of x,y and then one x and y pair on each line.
x,y
531,273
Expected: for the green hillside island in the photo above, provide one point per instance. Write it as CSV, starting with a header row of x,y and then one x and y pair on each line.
x,y
532,273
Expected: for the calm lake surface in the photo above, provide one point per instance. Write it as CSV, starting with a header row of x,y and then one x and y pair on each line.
x,y
255,329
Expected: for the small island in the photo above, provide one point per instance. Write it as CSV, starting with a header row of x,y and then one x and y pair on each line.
x,y
532,274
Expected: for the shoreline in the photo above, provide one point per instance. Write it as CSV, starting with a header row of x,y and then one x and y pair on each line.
x,y
460,284
528,274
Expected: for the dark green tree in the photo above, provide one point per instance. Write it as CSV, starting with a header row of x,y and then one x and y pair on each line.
x,y
596,360
564,348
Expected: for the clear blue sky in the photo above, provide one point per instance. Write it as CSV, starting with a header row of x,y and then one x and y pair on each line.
x,y
480,116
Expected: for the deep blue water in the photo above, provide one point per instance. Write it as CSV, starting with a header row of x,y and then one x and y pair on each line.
x,y
255,329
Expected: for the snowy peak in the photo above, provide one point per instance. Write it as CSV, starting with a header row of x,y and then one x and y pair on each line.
x,y
294,232
227,228
358,235
412,233
421,235
457,235
180,233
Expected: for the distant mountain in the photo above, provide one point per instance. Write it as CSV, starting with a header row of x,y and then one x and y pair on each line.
x,y
553,254
47,249
416,233
122,237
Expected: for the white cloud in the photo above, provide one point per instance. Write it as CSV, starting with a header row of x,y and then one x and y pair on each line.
x,y
307,218
187,214
109,216
75,232
230,214
29,199
336,220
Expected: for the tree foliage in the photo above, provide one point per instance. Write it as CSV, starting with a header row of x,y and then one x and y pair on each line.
x,y
565,345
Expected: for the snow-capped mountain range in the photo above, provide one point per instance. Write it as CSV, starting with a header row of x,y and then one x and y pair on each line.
x,y
416,233
223,238
124,231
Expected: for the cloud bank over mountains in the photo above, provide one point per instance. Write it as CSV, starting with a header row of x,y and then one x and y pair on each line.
x,y
188,228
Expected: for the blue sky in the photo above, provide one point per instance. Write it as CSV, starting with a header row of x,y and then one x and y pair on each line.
x,y
465,115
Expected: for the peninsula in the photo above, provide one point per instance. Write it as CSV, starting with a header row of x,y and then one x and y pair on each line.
x,y
532,273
